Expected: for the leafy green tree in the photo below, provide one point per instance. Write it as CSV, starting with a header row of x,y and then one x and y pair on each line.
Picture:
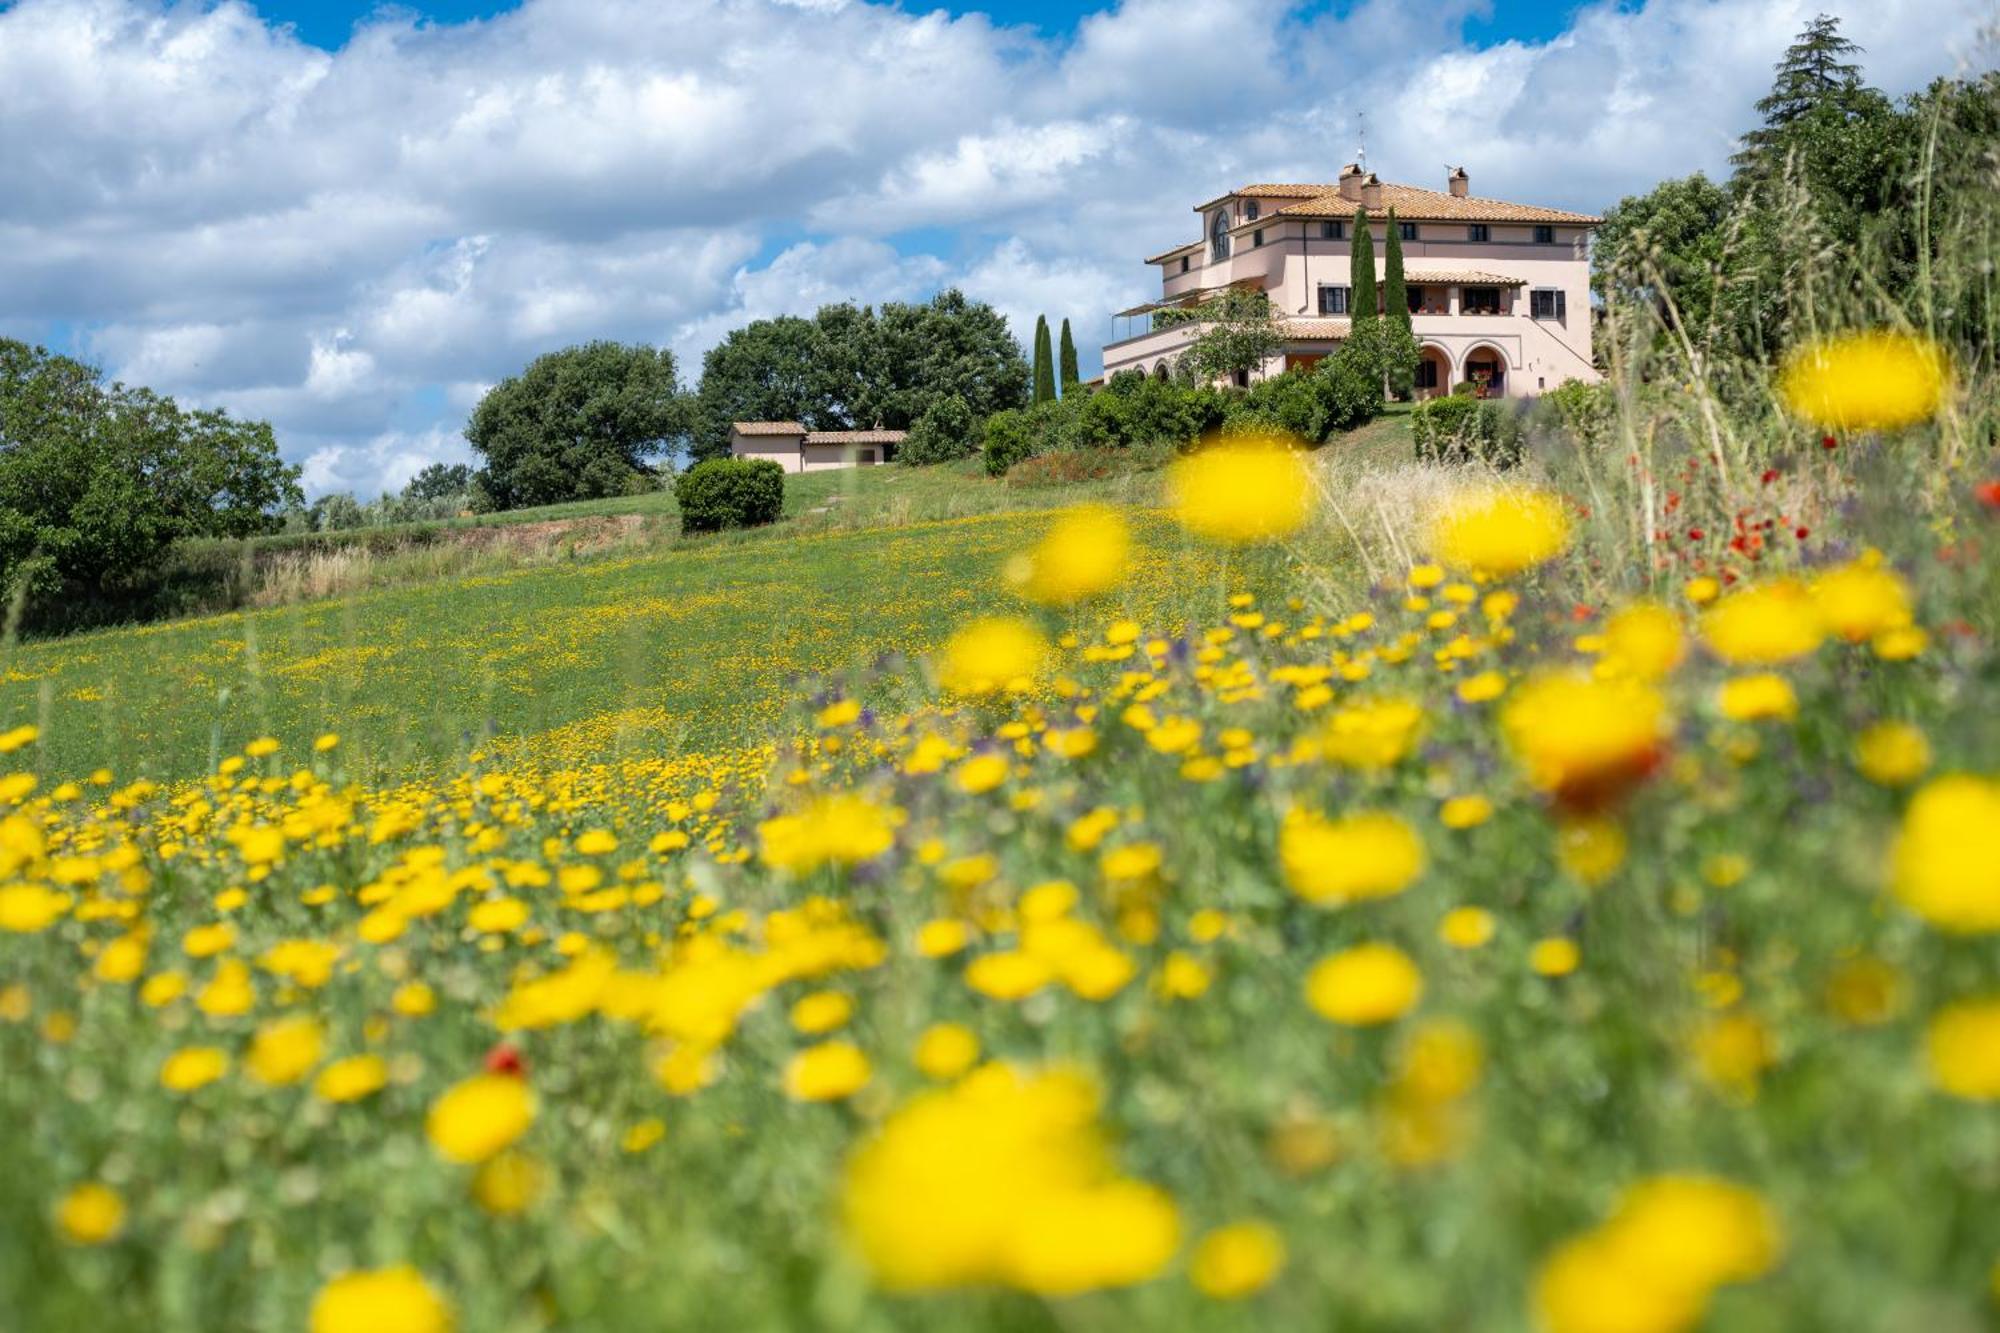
x,y
772,370
1815,73
1239,334
1400,370
1070,377
1665,248
578,424
1361,303
942,433
947,345
97,480
1045,371
439,481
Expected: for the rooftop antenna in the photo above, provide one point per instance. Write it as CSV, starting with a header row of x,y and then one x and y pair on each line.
x,y
1361,152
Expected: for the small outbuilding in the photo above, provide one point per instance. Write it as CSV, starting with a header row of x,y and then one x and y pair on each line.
x,y
796,449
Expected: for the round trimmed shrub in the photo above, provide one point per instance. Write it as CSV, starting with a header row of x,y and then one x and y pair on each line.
x,y
730,493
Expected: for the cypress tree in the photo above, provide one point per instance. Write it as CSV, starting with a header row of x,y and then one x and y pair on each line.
x,y
1396,313
1361,273
1045,371
1069,373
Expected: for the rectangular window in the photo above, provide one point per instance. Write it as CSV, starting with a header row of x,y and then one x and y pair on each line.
x,y
1408,229
1332,231
1477,232
1415,297
1184,263
1333,300
1545,236
1256,238
1480,301
1427,374
1548,303
867,456
1251,211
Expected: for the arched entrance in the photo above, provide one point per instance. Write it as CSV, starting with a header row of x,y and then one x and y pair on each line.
x,y
1433,371
1160,372
1486,366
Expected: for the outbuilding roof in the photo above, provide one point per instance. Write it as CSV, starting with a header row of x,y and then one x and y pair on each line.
x,y
855,436
767,428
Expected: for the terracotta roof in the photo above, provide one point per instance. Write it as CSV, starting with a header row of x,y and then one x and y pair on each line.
x,y
1169,254
1315,328
1415,204
855,436
1469,275
1267,190
767,428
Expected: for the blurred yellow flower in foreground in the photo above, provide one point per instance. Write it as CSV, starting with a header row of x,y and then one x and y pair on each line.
x,y
1962,1047
1241,492
1892,754
1653,1266
1237,1260
840,830
1880,380
1085,553
1944,867
826,1072
479,1116
1764,625
90,1214
1585,739
1364,986
1498,534
285,1050
382,1300
1334,861
994,655
1003,1178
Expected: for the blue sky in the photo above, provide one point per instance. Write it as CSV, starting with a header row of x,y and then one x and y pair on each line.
x,y
351,221
329,23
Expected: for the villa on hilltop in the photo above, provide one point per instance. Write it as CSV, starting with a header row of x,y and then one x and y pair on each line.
x,y
1498,292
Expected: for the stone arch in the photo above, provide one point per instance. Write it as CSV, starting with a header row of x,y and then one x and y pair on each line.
x,y
1486,365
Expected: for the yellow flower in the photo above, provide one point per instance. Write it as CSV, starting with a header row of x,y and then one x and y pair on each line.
x,y
1733,1051
1755,698
821,1011
1892,754
1497,534
1372,735
1084,554
1943,866
992,656
1467,927
382,1300
508,1183
1697,1230
1366,985
942,938
1009,975
839,830
413,999
1592,1284
207,941
643,1135
478,1116
826,1072
1583,738
981,773
1482,688
27,908
1879,380
326,741
596,842
90,1214
1864,991
1861,600
1962,1048
1643,640
946,1050
1253,491
1764,625
1463,812
193,1067
1336,861
1237,1260
1133,861
1440,1060
351,1079
1002,1178
285,1050
1556,956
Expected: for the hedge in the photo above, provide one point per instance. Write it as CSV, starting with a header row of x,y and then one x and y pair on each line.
x,y
730,493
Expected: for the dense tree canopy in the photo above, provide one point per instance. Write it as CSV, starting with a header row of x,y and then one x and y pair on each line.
x,y
854,367
97,480
578,424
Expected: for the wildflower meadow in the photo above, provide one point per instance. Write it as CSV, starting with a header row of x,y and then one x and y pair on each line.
x,y
1569,909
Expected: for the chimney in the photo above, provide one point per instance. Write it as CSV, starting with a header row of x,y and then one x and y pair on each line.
x,y
1458,182
1350,182
1371,191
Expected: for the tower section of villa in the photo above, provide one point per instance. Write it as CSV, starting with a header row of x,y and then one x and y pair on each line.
x,y
1498,292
